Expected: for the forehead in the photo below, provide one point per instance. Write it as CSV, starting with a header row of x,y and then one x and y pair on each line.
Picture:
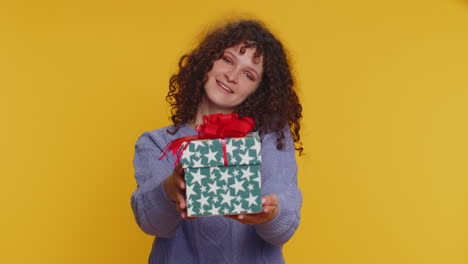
x,y
249,53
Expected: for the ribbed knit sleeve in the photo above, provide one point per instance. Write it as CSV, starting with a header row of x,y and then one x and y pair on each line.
x,y
154,212
279,176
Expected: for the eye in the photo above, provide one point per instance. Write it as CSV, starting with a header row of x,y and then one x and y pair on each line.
x,y
226,59
249,76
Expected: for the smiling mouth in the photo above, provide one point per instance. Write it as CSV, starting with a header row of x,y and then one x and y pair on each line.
x,y
224,87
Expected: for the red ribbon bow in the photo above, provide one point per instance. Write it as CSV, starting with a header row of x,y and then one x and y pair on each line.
x,y
214,126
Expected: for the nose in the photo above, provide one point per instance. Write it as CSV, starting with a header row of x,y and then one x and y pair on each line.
x,y
231,76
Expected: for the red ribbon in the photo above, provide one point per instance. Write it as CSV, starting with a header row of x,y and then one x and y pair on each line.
x,y
225,157
214,126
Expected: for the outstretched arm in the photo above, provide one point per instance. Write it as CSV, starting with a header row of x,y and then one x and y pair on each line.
x,y
154,211
279,177
282,198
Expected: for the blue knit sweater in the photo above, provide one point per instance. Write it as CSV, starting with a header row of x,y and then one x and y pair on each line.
x,y
213,239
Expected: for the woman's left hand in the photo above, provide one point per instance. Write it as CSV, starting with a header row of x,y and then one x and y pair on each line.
x,y
270,210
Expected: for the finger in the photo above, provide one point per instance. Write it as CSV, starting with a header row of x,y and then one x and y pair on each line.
x,y
183,212
177,204
182,205
269,209
250,219
180,183
235,217
271,199
179,176
231,216
180,200
179,169
177,181
246,218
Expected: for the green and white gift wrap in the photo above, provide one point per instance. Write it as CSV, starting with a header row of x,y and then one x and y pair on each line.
x,y
216,188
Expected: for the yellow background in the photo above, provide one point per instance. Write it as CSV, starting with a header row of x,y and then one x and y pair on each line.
x,y
384,86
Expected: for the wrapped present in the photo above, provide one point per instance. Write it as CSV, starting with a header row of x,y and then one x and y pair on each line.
x,y
222,176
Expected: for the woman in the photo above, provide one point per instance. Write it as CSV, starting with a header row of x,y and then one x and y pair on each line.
x,y
238,68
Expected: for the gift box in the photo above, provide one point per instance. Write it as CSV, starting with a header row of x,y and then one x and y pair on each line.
x,y
222,176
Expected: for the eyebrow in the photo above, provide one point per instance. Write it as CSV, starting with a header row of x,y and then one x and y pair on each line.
x,y
249,67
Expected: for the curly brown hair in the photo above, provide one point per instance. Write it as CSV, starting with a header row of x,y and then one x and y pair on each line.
x,y
273,105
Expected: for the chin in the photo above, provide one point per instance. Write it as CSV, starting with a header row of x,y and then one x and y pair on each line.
x,y
219,103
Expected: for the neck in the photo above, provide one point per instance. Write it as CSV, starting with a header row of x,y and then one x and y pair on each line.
x,y
207,109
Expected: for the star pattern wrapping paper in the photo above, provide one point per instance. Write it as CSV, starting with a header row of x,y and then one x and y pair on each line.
x,y
215,189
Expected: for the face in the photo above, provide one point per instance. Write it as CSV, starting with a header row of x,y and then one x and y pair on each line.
x,y
234,77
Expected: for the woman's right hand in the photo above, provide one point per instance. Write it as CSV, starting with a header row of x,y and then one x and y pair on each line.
x,y
174,186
